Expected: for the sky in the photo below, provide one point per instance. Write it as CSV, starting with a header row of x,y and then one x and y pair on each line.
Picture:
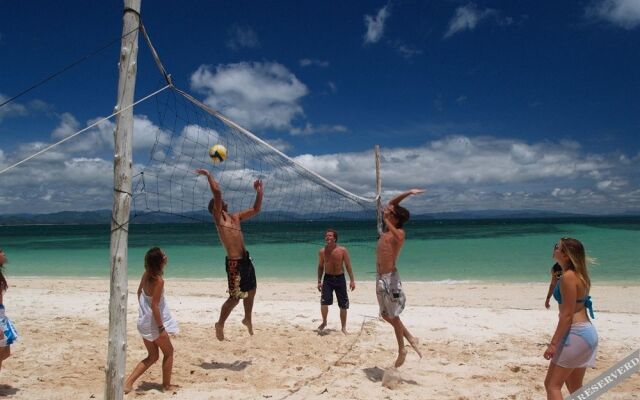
x,y
499,105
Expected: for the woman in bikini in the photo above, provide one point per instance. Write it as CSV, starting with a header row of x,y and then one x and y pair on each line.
x,y
574,343
8,333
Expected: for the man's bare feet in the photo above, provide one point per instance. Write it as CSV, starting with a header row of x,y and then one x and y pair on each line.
x,y
402,355
344,331
415,342
249,325
169,388
322,326
127,389
219,331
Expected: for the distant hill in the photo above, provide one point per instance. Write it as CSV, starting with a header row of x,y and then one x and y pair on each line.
x,y
104,217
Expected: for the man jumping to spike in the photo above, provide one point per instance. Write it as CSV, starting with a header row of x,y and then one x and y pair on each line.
x,y
241,274
391,298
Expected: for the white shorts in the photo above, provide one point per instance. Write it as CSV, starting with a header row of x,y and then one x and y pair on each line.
x,y
391,298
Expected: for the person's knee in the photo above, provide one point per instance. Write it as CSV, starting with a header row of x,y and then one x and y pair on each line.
x,y
572,387
167,352
550,385
250,297
574,384
152,358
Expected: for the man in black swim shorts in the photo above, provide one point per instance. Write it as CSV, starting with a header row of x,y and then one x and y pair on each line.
x,y
240,272
331,260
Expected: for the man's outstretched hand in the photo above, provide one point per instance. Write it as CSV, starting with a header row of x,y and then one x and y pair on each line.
x,y
257,185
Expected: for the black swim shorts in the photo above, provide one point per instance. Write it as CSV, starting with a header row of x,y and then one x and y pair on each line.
x,y
337,283
241,276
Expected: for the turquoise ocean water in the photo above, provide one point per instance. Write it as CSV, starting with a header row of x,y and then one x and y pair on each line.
x,y
451,250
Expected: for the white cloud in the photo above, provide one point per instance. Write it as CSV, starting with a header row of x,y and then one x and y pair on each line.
x,y
566,192
279,144
375,25
310,129
485,172
87,171
256,95
101,137
307,62
56,181
68,126
332,87
623,13
242,37
460,173
12,109
467,18
405,50
72,176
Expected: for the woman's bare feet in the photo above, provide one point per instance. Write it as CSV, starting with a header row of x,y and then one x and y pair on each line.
x,y
249,325
127,389
402,355
169,388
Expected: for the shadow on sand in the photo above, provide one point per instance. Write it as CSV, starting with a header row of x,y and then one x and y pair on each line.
x,y
376,374
325,331
8,390
234,366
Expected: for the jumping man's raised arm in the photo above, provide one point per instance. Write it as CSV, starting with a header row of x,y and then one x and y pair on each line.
x,y
257,205
216,191
396,200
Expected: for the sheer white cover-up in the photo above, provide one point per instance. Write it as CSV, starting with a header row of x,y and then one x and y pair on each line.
x,y
147,326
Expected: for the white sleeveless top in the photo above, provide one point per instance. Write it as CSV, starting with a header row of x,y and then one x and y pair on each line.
x,y
147,325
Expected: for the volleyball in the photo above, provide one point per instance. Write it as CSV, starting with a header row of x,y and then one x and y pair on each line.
x,y
218,153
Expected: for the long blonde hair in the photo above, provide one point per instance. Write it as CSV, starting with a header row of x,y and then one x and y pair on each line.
x,y
574,249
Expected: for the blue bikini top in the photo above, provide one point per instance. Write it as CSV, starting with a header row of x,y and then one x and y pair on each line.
x,y
588,304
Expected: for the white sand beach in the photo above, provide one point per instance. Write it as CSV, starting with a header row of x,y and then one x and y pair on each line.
x,y
479,341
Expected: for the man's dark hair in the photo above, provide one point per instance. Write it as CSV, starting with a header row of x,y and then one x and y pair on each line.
x,y
335,233
402,215
211,205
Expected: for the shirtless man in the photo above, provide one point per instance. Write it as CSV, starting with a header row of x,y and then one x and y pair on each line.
x,y
331,259
391,298
241,275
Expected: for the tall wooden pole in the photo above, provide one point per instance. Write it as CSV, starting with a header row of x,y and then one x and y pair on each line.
x,y
378,190
122,163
